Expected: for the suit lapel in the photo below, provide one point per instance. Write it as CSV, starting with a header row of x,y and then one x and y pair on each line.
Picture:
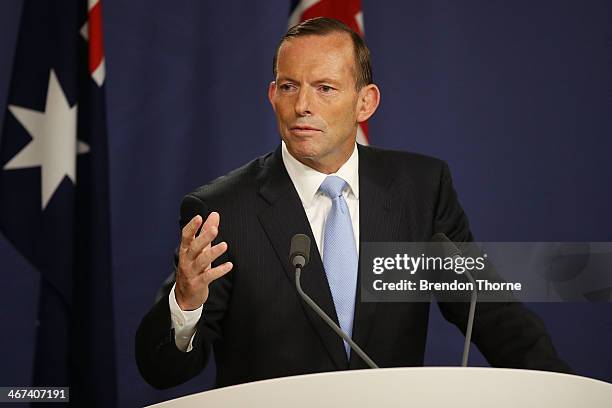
x,y
282,219
376,204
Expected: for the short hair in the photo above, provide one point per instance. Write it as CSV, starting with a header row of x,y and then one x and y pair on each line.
x,y
323,26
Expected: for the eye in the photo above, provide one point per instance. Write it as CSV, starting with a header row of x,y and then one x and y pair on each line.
x,y
326,88
286,87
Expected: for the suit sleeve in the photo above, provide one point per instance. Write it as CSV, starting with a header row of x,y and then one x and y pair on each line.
x,y
160,362
507,333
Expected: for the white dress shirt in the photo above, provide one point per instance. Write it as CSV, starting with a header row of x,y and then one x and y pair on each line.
x,y
316,205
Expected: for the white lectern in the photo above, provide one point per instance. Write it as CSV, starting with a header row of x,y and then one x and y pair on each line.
x,y
448,387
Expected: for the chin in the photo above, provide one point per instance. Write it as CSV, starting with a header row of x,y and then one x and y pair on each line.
x,y
303,149
305,154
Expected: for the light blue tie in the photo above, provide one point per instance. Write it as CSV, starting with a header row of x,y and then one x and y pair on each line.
x,y
340,258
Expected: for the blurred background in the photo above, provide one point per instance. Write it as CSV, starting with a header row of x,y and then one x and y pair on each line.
x,y
515,95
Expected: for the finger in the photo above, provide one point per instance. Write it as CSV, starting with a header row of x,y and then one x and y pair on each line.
x,y
203,240
212,220
188,232
217,272
208,256
209,232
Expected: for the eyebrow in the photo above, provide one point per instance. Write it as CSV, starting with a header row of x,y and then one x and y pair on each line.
x,y
318,81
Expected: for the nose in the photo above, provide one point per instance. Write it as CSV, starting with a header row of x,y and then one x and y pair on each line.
x,y
303,102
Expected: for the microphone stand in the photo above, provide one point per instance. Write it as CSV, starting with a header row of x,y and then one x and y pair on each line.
x,y
470,322
330,322
456,252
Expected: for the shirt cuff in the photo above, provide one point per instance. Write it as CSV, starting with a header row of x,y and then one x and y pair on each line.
x,y
184,323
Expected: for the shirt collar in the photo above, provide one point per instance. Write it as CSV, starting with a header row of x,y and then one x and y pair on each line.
x,y
307,180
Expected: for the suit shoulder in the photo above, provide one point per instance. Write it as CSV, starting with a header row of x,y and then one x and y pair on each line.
x,y
240,181
403,161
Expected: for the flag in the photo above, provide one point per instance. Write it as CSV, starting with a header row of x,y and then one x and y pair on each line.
x,y
347,11
54,203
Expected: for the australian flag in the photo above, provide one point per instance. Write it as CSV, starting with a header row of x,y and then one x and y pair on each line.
x,y
54,203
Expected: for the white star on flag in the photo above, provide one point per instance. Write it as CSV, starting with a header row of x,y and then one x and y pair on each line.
x,y
54,145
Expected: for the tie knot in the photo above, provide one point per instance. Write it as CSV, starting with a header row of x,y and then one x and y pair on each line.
x,y
332,186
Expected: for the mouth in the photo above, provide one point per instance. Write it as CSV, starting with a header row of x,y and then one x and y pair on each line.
x,y
303,130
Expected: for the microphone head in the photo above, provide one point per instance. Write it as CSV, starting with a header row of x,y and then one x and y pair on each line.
x,y
299,253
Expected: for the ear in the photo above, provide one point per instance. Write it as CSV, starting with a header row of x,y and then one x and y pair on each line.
x,y
272,92
369,98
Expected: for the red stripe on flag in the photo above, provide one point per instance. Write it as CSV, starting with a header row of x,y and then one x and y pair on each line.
x,y
364,128
344,11
96,46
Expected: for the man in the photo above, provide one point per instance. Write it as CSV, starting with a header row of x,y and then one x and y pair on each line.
x,y
318,182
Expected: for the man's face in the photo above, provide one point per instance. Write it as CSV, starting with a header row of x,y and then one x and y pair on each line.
x,y
315,99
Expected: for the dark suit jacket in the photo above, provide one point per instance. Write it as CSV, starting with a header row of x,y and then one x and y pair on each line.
x,y
256,322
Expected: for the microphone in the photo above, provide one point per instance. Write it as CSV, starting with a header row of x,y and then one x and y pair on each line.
x,y
299,255
454,252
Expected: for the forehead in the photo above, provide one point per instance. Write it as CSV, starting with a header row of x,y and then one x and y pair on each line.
x,y
330,54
